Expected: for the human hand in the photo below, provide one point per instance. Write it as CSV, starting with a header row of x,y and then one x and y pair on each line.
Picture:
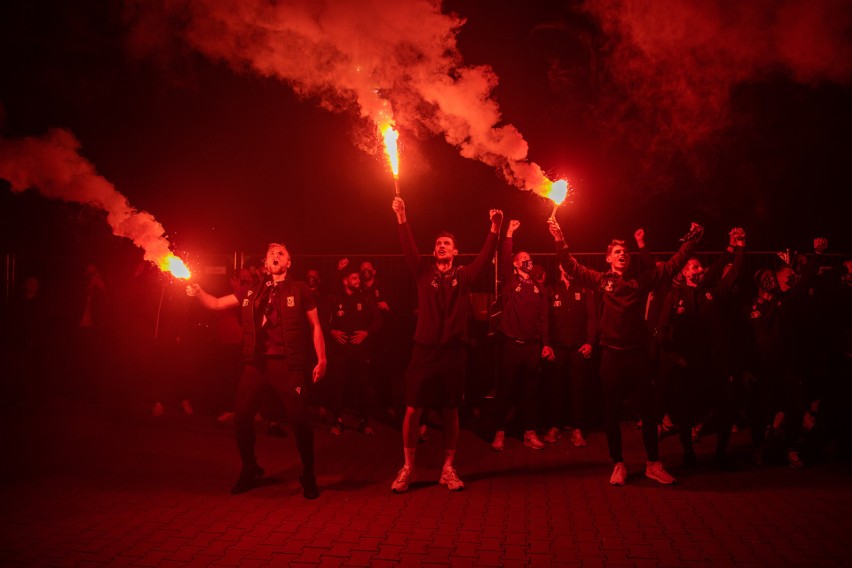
x,y
358,337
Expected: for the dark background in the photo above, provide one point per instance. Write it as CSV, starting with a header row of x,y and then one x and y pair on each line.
x,y
229,161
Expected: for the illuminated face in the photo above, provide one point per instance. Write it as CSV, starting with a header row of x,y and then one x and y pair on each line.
x,y
352,282
367,270
523,262
618,258
277,260
693,271
445,249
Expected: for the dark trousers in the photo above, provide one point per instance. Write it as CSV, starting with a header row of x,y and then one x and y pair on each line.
x,y
566,380
349,380
626,374
289,386
517,379
778,388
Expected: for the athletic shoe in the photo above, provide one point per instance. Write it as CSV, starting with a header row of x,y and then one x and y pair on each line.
x,y
619,474
498,445
552,435
531,440
158,409
577,438
793,459
310,490
225,418
403,479
248,479
450,478
186,406
337,429
655,471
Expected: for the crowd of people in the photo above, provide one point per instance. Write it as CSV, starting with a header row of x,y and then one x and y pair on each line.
x,y
691,349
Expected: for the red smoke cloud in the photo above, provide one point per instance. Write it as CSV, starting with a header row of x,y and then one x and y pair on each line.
x,y
52,165
382,58
677,62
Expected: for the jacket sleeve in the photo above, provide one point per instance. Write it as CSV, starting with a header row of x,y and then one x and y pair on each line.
x,y
586,277
409,247
665,271
483,258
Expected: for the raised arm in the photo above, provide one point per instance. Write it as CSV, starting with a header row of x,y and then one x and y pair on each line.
x,y
406,237
736,246
487,253
585,277
507,251
665,271
209,301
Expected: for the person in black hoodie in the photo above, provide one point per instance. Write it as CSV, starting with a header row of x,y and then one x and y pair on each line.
x,y
695,347
279,322
353,321
523,344
624,338
438,361
773,319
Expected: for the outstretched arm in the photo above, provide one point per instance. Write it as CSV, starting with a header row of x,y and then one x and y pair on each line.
x,y
585,277
406,237
487,253
507,250
209,301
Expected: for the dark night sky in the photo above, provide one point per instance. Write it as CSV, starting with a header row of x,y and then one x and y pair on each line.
x,y
228,160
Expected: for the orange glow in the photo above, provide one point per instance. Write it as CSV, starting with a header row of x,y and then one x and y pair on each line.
x,y
390,136
557,190
175,266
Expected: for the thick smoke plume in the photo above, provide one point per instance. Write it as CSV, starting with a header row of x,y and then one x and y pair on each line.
x,y
677,62
392,62
53,165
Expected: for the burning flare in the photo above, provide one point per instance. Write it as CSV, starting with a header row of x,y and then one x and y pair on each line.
x,y
53,165
390,136
175,266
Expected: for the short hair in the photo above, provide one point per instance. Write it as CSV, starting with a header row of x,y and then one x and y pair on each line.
x,y
449,235
270,245
613,244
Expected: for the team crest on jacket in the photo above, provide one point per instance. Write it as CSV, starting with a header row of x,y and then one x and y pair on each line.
x,y
455,282
708,295
245,302
608,287
358,306
755,313
291,301
577,296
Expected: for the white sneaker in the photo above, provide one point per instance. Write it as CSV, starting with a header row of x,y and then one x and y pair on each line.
x,y
531,440
450,478
403,479
498,445
655,471
577,438
619,474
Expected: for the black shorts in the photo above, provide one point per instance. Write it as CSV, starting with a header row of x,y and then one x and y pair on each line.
x,y
435,376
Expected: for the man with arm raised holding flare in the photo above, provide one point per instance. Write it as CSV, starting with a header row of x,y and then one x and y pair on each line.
x,y
279,319
624,338
437,367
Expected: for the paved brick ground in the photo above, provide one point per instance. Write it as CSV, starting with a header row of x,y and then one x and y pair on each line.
x,y
88,485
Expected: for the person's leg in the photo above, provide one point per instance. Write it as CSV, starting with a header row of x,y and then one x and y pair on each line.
x,y
610,377
249,388
511,365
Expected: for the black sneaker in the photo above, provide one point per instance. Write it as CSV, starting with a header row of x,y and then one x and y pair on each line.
x,y
309,486
248,479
